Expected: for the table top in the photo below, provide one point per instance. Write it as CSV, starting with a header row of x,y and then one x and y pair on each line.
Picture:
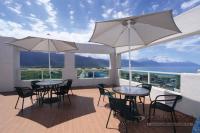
x,y
49,82
131,90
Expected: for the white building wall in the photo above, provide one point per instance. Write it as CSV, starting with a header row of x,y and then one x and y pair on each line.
x,y
7,77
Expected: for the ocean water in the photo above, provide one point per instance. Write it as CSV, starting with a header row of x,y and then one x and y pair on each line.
x,y
168,69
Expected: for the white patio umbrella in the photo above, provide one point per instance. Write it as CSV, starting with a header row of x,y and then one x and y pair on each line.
x,y
135,32
44,45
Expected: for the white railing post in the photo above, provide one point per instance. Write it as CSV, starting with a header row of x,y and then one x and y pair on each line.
x,y
149,78
42,74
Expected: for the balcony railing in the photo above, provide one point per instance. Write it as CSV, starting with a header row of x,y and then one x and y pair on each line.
x,y
92,73
169,81
40,73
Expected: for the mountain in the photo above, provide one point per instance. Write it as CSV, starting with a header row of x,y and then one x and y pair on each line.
x,y
153,63
89,62
40,60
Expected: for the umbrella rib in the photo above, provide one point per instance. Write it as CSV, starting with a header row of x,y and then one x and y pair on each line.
x,y
37,44
138,34
120,34
54,45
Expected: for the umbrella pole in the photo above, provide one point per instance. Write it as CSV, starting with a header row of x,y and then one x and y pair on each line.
x,y
49,60
129,46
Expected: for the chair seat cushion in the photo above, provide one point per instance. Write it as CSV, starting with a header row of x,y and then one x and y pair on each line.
x,y
162,106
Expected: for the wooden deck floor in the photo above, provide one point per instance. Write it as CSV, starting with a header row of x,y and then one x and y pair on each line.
x,y
82,116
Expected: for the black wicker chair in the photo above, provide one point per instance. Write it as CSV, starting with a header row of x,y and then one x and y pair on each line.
x,y
66,81
120,108
103,92
24,92
64,90
148,87
165,103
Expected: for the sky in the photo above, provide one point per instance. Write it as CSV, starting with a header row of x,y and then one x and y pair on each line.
x,y
73,20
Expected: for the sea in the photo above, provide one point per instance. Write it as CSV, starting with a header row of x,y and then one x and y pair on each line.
x,y
168,69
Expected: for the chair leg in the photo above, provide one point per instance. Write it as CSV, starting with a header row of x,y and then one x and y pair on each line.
x,y
174,128
22,105
108,118
149,119
175,118
154,111
143,106
125,123
71,92
16,102
99,100
31,99
150,98
69,99
140,99
63,96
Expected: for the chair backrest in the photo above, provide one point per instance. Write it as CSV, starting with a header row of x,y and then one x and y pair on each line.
x,y
69,83
66,86
19,91
101,88
147,86
116,104
178,97
34,85
170,100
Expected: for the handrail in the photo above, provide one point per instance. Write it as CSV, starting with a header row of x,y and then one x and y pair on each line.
x,y
152,71
169,81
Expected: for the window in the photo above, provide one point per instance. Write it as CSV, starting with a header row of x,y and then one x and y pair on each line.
x,y
35,65
92,65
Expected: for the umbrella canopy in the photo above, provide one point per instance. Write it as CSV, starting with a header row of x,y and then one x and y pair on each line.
x,y
44,44
135,31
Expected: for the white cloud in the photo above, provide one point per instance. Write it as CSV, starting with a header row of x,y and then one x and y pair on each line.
x,y
107,13
13,6
28,3
134,55
89,1
9,26
13,29
50,11
125,3
163,59
189,4
190,44
120,14
71,16
96,56
155,6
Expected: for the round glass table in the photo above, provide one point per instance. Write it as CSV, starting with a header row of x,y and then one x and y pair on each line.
x,y
49,85
131,90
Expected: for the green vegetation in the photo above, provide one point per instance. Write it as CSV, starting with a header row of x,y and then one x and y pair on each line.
x,y
40,73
